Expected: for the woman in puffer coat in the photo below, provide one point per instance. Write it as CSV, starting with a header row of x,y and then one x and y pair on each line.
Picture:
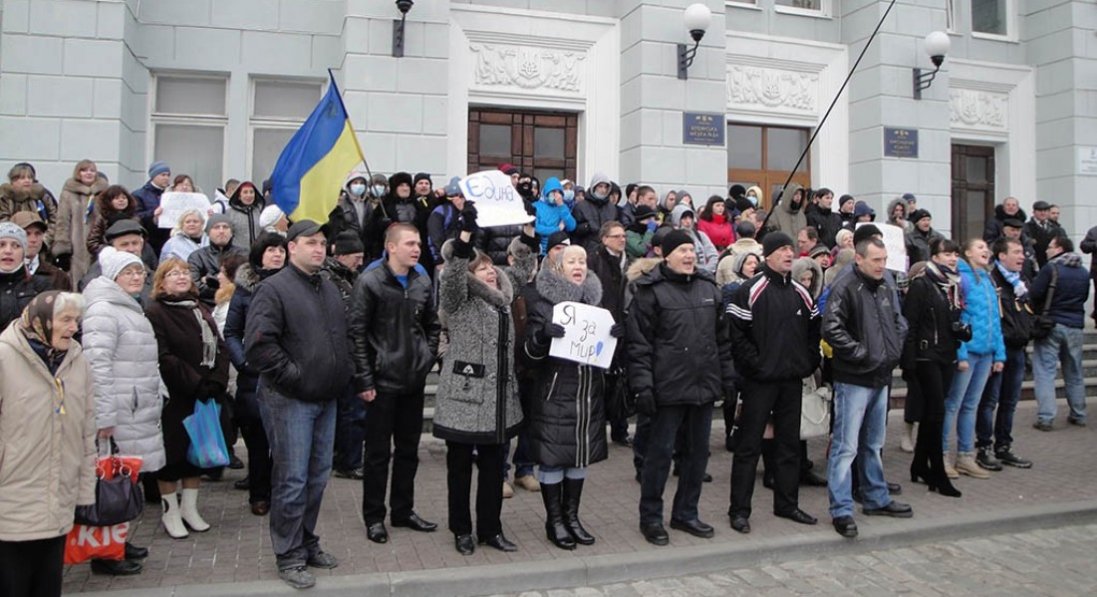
x,y
976,359
74,210
47,422
477,411
567,417
194,366
121,348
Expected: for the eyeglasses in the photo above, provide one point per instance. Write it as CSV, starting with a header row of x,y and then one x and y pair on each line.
x,y
176,273
133,273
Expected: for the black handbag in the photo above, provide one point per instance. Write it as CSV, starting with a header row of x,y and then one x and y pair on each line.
x,y
1042,323
117,499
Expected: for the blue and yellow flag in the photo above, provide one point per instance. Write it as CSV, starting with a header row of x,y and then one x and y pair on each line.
x,y
314,164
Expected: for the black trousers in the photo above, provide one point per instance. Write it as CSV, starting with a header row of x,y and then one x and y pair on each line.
x,y
933,381
394,423
32,568
489,487
696,424
259,460
760,400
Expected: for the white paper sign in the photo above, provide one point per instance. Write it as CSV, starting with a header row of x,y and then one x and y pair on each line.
x,y
497,201
174,204
586,334
895,241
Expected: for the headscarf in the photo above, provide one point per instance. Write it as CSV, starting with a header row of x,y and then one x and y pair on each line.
x,y
37,325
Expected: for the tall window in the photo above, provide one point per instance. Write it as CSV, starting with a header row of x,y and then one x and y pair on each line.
x,y
990,17
278,107
540,143
188,126
764,156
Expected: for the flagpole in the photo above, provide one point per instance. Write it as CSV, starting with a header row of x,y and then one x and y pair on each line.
x,y
353,135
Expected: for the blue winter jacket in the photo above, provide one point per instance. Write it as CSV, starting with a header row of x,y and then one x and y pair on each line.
x,y
549,215
981,313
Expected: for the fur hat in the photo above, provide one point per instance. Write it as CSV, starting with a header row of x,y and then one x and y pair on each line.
x,y
398,179
112,261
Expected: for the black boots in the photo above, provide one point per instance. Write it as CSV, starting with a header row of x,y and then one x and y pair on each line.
x,y
555,529
573,493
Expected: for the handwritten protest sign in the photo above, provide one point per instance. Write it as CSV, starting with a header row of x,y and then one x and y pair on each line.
x,y
586,334
174,204
895,241
497,201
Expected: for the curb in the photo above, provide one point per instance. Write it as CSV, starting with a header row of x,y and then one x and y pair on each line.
x,y
629,567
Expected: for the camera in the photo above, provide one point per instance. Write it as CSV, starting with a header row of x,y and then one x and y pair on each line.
x,y
961,331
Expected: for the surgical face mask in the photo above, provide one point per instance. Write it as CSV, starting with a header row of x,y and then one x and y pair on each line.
x,y
569,195
358,189
378,190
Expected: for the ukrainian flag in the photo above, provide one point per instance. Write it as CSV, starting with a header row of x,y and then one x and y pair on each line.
x,y
313,165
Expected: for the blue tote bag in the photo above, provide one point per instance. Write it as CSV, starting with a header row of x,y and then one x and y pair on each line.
x,y
207,442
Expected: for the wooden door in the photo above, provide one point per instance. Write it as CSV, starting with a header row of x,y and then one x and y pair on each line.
x,y
543,144
765,156
972,189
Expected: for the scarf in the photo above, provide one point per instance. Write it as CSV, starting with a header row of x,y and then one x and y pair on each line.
x,y
948,281
1068,260
37,326
209,335
1014,278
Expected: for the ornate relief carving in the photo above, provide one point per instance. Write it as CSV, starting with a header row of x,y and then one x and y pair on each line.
x,y
773,88
527,67
978,109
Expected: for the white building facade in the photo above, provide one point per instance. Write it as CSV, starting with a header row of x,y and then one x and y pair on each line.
x,y
568,87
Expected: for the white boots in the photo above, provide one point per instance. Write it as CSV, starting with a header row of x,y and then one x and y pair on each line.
x,y
909,437
176,514
173,522
189,511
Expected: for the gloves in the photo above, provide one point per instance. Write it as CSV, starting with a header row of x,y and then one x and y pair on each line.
x,y
652,225
553,330
63,262
468,218
212,282
617,330
645,403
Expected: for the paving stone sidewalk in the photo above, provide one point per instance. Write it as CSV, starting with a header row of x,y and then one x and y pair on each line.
x,y
237,548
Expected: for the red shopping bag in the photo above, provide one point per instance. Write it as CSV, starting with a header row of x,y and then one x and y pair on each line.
x,y
102,543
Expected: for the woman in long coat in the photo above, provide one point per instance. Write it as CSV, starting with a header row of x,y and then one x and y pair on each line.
x,y
74,210
566,416
478,409
194,366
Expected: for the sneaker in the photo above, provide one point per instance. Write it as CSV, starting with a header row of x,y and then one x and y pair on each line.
x,y
508,491
297,577
1043,425
987,460
1006,456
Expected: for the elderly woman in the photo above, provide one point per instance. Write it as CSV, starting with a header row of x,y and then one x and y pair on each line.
x,y
194,366
188,236
74,208
47,422
567,420
478,410
121,348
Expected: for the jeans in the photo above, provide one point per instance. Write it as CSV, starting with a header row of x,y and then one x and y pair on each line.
x,y
1064,345
489,487
963,400
860,426
394,424
350,431
663,430
302,436
1002,393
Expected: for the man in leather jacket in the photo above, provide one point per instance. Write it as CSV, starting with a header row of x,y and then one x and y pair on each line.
x,y
394,329
864,327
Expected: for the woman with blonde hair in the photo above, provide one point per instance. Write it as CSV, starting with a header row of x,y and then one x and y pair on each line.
x,y
188,235
74,208
195,367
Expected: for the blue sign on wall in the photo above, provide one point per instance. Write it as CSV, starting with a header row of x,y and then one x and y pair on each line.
x,y
702,128
900,143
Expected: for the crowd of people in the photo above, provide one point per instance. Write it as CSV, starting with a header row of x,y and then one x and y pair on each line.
x,y
317,339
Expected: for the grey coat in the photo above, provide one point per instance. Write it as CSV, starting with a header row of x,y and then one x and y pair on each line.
x,y
121,347
477,400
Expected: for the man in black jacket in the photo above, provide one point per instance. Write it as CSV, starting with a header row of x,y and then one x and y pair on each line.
x,y
679,356
1041,230
864,327
205,263
296,336
609,263
823,218
775,339
395,329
